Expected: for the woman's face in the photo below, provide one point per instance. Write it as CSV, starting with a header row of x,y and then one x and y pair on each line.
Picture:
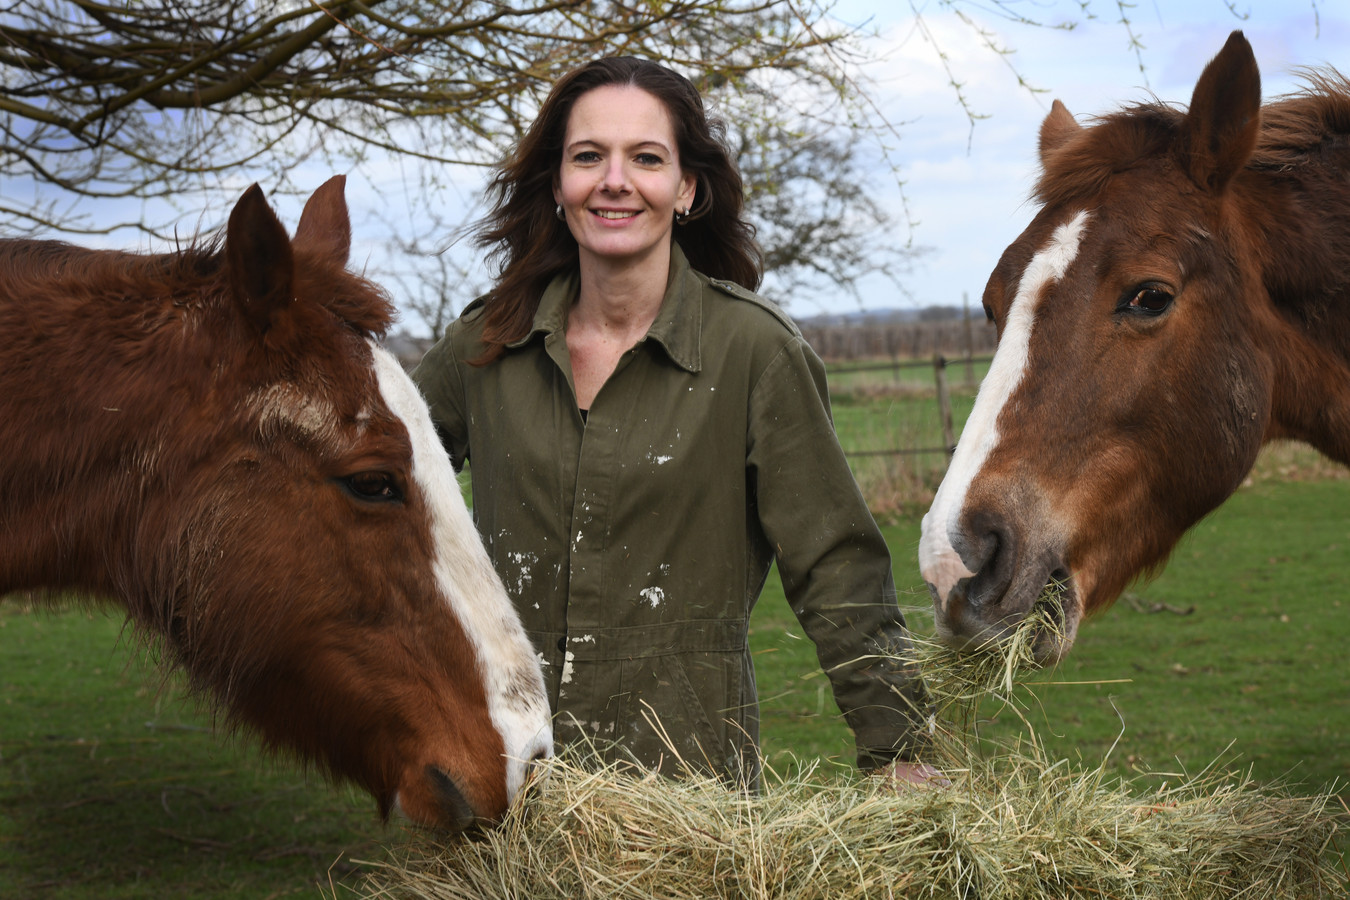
x,y
620,182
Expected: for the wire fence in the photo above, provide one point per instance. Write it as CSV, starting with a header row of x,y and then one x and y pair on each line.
x,y
938,370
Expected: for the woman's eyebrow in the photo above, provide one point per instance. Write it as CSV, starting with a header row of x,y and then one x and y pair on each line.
x,y
581,142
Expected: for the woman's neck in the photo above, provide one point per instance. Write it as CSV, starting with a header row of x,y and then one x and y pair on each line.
x,y
621,297
614,310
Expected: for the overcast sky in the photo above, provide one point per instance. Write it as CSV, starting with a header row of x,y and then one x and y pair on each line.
x,y
968,190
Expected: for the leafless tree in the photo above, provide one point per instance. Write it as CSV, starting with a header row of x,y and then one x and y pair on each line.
x,y
816,206
158,109
161,99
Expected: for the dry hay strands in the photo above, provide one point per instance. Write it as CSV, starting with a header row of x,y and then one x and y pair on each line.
x,y
1013,828
961,679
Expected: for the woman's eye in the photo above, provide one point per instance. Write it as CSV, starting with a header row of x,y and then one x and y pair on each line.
x,y
586,156
649,159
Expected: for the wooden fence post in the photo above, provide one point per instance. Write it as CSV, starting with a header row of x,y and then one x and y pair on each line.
x,y
944,405
970,339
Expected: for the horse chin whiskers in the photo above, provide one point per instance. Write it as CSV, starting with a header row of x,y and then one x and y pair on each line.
x,y
1059,609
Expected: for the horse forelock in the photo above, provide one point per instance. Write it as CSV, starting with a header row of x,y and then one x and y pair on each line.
x,y
358,303
1081,168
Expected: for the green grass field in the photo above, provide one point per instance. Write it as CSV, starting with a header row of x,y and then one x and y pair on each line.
x,y
113,786
876,412
1252,675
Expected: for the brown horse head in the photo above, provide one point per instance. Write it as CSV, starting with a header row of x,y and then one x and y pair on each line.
x,y
1150,340
216,441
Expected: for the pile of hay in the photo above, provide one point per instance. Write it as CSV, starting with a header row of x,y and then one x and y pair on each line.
x,y
1013,825
1014,829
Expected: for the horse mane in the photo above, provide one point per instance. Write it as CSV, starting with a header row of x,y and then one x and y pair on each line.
x,y
34,260
1300,123
188,275
1293,127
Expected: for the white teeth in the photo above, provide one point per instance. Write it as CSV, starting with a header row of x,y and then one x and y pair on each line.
x,y
614,214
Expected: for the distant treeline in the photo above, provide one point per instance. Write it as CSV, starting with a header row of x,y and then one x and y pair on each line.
x,y
885,334
899,340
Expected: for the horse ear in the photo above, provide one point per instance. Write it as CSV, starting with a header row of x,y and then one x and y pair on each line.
x,y
325,227
1225,116
258,254
1057,128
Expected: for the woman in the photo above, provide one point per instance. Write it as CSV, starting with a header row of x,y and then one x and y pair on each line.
x,y
647,436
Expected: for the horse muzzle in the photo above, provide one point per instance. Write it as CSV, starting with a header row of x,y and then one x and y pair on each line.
x,y
436,800
983,588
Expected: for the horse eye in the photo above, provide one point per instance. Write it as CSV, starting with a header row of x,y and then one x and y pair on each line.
x,y
1149,299
988,313
376,487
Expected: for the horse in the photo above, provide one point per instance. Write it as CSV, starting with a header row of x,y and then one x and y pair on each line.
x,y
1181,297
213,440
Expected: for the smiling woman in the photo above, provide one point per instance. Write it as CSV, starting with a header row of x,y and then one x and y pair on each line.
x,y
648,436
620,189
621,185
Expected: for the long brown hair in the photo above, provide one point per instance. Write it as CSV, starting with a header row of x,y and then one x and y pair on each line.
x,y
531,246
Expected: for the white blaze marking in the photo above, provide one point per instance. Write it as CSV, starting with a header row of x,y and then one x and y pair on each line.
x,y
939,562
506,661
283,403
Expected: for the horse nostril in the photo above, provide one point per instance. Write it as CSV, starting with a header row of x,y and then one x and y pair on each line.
x,y
534,769
456,812
990,558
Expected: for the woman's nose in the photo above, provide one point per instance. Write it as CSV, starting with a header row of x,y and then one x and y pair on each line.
x,y
616,177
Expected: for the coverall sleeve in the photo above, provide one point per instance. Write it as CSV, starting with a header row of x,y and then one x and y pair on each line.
x,y
439,378
832,558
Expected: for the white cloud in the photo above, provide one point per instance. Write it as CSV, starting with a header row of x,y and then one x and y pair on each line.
x,y
969,191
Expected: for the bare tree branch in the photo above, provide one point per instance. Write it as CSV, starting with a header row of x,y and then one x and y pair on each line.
x,y
146,99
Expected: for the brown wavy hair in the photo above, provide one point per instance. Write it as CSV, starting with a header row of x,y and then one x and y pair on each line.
x,y
530,246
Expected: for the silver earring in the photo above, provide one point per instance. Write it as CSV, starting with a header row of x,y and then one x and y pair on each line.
x,y
558,211
682,217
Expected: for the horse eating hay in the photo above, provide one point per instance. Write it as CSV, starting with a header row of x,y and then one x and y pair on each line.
x,y
213,439
1181,297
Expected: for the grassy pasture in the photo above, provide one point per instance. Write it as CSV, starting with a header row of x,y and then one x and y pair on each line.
x,y
113,786
1234,655
880,410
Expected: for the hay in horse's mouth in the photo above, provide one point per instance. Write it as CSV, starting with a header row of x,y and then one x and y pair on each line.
x,y
968,675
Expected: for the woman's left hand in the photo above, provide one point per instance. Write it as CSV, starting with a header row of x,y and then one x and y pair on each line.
x,y
906,776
